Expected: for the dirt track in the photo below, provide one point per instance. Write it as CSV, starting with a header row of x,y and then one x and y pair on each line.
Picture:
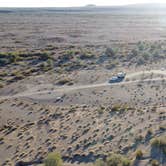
x,y
81,87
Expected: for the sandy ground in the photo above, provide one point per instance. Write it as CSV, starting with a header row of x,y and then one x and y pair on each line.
x,y
38,116
50,92
35,31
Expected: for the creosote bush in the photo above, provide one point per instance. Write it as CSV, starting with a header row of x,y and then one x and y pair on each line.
x,y
99,162
154,163
160,143
139,154
119,108
53,159
64,81
114,160
1,85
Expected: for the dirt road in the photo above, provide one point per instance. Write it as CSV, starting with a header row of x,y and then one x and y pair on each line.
x,y
66,89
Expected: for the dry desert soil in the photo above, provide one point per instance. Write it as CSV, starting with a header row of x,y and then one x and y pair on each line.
x,y
55,94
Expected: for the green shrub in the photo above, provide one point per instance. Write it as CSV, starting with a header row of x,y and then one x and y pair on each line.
x,y
139,154
65,81
1,139
163,128
9,57
101,110
134,52
141,46
160,143
110,52
119,108
117,160
70,52
149,132
44,56
87,55
53,159
99,162
116,108
154,163
50,63
1,85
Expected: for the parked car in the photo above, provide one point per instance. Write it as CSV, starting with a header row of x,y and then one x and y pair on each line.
x,y
113,79
59,99
117,78
121,75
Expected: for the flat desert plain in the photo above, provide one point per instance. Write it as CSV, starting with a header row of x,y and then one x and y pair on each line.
x,y
56,93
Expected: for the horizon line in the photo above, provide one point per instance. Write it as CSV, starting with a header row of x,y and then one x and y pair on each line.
x,y
88,5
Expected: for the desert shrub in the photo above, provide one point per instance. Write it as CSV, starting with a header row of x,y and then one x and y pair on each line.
x,y
18,75
9,57
72,109
65,81
134,52
44,66
111,64
154,109
156,53
99,162
51,47
87,55
14,57
110,52
101,110
126,162
3,61
67,56
154,163
116,108
1,85
53,159
119,108
140,61
139,154
160,143
153,47
141,46
163,128
149,132
47,65
1,139
70,52
146,55
50,63
139,138
117,160
44,56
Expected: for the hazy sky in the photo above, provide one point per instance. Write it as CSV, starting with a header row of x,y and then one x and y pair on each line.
x,y
64,3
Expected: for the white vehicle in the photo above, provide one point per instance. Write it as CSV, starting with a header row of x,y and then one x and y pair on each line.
x,y
59,99
117,78
121,75
113,79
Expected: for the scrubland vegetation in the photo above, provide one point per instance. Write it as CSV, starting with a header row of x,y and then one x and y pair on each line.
x,y
24,63
57,106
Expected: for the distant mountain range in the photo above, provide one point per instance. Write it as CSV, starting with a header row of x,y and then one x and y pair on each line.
x,y
142,5
147,7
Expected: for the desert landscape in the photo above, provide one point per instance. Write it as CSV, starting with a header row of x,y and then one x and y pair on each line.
x,y
59,90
